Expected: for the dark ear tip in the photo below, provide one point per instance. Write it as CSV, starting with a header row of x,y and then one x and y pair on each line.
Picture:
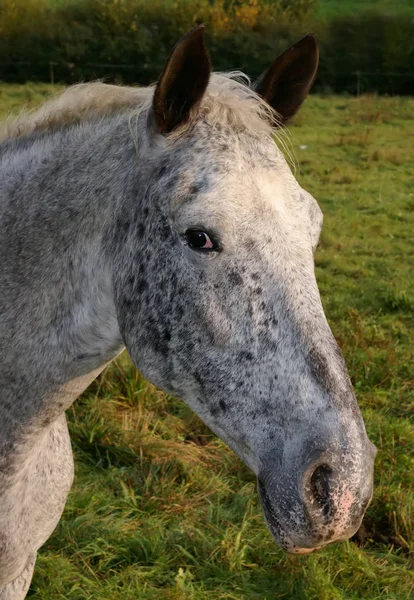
x,y
193,38
200,27
309,40
313,40
195,32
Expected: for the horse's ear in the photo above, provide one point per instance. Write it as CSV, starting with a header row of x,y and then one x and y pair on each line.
x,y
287,82
183,82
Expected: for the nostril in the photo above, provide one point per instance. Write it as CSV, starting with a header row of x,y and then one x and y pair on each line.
x,y
320,488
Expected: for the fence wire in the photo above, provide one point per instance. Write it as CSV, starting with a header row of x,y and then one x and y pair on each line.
x,y
114,71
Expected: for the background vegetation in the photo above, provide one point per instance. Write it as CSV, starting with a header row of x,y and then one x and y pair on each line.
x,y
365,46
333,8
161,508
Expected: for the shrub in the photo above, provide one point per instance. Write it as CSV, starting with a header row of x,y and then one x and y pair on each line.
x,y
129,40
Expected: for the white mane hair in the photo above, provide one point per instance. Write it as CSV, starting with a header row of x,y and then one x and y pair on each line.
x,y
228,99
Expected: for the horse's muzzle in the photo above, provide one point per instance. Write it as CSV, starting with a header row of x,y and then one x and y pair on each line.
x,y
307,508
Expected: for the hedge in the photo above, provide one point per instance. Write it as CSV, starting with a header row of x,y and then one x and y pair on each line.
x,y
128,40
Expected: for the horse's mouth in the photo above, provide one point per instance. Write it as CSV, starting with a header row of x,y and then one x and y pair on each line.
x,y
302,550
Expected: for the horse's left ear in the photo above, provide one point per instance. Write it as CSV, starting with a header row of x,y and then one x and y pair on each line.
x,y
183,82
287,82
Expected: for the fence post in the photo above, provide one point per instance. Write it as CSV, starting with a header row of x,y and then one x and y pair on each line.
x,y
358,83
52,75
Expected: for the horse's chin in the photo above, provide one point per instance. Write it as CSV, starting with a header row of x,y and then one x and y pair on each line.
x,y
302,551
290,548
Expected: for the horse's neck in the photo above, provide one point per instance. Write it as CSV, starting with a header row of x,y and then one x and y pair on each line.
x,y
57,316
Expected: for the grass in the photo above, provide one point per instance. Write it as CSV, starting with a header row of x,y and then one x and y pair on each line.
x,y
161,508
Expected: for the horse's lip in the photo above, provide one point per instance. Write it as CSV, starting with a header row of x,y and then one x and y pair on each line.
x,y
295,550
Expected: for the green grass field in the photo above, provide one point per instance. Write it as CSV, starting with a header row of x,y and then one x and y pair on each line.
x,y
161,509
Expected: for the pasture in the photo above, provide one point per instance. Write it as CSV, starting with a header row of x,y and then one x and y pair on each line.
x,y
161,508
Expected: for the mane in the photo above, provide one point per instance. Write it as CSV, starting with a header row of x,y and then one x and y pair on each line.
x,y
228,99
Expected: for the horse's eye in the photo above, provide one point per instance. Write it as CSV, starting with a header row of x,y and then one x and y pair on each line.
x,y
199,240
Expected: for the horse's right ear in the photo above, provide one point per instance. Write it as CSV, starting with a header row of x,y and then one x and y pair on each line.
x,y
183,82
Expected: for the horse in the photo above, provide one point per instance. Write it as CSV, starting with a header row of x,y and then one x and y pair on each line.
x,y
166,220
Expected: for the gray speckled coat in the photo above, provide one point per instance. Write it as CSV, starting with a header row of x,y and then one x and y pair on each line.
x,y
181,234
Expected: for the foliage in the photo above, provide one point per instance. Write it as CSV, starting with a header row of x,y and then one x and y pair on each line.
x,y
333,8
162,509
80,34
129,40
379,46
